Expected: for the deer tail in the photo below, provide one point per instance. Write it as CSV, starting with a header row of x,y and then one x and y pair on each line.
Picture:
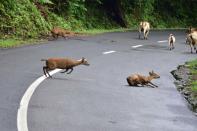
x,y
128,81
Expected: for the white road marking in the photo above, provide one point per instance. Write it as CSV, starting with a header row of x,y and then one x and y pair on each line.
x,y
108,52
22,111
136,46
162,41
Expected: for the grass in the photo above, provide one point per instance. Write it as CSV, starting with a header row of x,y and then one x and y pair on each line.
x,y
100,31
12,42
194,86
193,69
193,66
7,43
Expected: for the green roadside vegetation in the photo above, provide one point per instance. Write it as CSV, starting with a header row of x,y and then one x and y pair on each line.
x,y
24,20
12,42
193,78
192,83
7,43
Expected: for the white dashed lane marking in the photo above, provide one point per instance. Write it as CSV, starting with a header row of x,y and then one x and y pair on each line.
x,y
108,52
162,41
136,46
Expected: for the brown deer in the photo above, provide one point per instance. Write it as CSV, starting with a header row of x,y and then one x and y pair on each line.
x,y
56,32
62,63
137,79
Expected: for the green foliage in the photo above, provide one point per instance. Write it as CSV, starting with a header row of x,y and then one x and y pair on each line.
x,y
22,19
161,14
193,66
9,43
56,20
35,18
76,8
45,1
193,79
96,17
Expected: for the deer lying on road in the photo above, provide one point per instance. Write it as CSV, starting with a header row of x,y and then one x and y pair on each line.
x,y
62,63
144,27
137,79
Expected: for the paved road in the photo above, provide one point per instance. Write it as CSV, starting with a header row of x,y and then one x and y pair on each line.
x,y
97,98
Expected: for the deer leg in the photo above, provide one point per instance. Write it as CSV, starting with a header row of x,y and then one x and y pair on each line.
x,y
172,46
44,70
142,85
139,34
150,85
71,69
153,84
195,48
47,71
146,34
191,48
65,37
55,36
64,71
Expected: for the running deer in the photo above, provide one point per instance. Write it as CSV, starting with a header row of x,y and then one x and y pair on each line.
x,y
62,63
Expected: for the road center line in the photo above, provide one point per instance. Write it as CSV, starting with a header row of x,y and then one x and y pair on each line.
x,y
162,41
136,46
108,52
22,110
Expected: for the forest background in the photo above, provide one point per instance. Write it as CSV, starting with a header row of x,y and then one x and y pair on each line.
x,y
26,19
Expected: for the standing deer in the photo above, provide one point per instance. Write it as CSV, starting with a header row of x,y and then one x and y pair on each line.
x,y
171,41
144,27
192,40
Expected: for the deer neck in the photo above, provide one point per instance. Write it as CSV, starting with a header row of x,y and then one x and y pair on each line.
x,y
78,62
150,78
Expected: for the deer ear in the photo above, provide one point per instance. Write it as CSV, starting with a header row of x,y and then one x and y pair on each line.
x,y
152,71
83,59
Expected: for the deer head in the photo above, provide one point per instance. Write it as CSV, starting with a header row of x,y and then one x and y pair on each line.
x,y
154,75
84,61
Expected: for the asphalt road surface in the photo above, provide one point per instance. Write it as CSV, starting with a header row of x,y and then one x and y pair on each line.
x,y
98,98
